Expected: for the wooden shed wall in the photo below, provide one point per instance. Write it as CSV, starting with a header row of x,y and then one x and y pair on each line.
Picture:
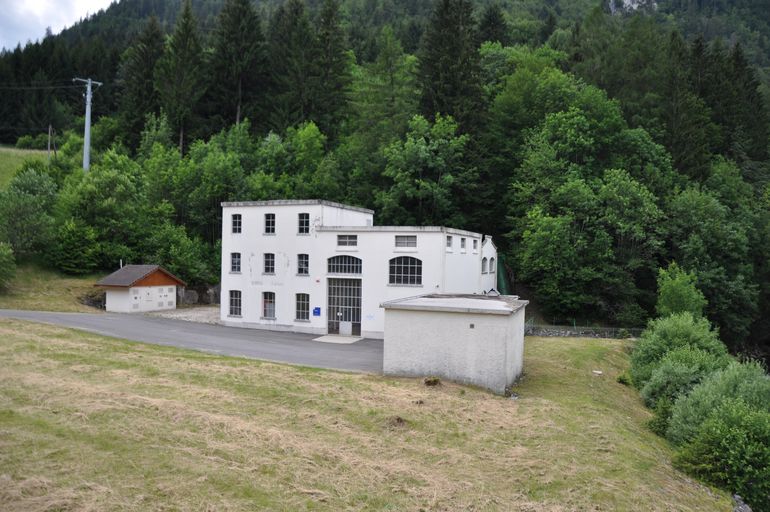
x,y
157,278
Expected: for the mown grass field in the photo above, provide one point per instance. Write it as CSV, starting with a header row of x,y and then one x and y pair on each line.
x,y
12,158
93,423
45,290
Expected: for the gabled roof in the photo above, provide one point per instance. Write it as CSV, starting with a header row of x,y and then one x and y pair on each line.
x,y
130,274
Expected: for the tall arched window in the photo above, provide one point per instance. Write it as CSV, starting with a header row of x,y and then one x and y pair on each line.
x,y
483,265
405,270
492,267
344,264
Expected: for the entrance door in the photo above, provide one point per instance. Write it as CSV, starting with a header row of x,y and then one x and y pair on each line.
x,y
344,310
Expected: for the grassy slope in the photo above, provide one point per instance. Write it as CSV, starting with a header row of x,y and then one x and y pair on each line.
x,y
88,422
36,288
12,158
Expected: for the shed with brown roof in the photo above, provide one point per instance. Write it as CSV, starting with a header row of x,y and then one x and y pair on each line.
x,y
140,288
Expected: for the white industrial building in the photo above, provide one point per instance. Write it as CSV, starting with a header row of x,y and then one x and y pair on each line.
x,y
320,267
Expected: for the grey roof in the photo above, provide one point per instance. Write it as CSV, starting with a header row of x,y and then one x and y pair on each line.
x,y
297,202
130,274
460,303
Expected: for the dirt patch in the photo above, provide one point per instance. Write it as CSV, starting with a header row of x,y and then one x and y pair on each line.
x,y
199,314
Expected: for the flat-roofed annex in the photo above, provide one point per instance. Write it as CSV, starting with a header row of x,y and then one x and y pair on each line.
x,y
296,202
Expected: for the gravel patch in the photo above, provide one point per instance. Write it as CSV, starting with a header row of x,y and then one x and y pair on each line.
x,y
200,314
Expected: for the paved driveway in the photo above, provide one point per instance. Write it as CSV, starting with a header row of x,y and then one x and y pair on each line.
x,y
285,347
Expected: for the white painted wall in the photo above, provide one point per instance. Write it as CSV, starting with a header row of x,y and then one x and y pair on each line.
x,y
457,271
442,344
140,299
489,278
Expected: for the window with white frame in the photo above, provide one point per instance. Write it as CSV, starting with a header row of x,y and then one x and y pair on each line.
x,y
475,244
235,262
405,270
462,244
483,265
347,240
344,264
235,303
303,224
492,267
303,264
303,306
269,223
236,223
406,240
268,304
448,242
269,267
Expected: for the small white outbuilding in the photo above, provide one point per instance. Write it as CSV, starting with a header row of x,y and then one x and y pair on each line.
x,y
471,339
140,288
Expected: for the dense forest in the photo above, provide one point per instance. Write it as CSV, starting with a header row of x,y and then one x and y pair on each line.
x,y
596,142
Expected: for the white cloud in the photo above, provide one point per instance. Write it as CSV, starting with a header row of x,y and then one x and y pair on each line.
x,y
26,20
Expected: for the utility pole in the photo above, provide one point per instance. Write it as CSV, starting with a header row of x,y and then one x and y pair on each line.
x,y
87,135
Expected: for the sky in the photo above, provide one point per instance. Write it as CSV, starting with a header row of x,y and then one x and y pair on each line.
x,y
26,20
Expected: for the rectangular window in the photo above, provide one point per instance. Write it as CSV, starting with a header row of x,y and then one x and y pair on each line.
x,y
449,242
347,240
475,245
406,240
304,224
235,303
303,264
235,262
303,306
236,222
269,223
268,305
269,263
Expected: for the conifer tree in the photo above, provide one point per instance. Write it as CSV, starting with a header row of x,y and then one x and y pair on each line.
x,y
749,115
449,64
334,70
292,49
493,26
179,74
139,97
238,61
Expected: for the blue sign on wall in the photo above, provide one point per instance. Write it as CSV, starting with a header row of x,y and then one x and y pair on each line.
x,y
316,311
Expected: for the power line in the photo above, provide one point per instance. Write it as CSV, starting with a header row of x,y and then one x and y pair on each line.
x,y
36,87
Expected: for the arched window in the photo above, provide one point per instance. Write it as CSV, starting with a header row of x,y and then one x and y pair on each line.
x,y
492,267
483,265
405,270
344,264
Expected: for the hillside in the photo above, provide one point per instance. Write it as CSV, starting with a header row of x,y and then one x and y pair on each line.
x,y
12,158
96,423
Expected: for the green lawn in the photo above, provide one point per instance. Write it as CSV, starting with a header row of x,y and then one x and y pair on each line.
x,y
12,158
93,423
46,290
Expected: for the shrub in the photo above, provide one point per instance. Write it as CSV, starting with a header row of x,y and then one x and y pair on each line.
x,y
732,450
666,334
39,141
745,381
74,249
677,292
186,257
7,265
679,371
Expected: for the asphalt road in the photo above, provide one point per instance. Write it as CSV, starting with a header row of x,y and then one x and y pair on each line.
x,y
284,347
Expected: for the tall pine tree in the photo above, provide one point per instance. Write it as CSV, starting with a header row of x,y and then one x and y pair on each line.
x,y
449,64
179,74
292,48
334,70
238,62
139,97
493,26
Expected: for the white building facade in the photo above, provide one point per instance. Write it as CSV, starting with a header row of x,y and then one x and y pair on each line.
x,y
324,268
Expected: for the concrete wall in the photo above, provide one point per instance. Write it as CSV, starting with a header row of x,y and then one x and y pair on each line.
x,y
140,299
489,278
453,271
443,344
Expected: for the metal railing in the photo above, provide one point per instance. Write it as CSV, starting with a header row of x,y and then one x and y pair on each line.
x,y
533,329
